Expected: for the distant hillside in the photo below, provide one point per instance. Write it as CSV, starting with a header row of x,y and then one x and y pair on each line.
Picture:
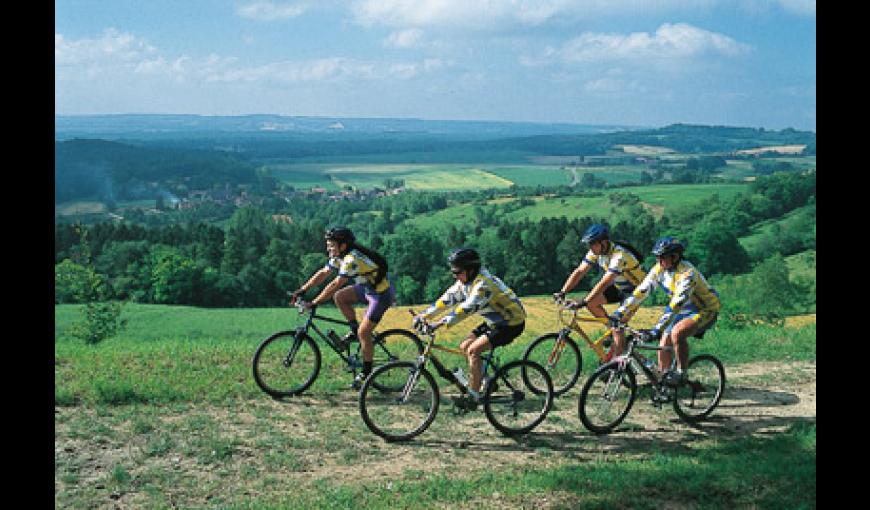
x,y
114,171
152,127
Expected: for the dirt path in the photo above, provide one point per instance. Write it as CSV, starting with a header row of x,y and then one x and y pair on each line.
x,y
321,437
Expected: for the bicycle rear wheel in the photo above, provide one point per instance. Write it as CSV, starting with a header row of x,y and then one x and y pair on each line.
x,y
696,399
286,364
399,401
518,397
607,397
562,360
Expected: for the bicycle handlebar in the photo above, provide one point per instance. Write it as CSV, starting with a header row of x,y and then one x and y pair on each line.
x,y
423,326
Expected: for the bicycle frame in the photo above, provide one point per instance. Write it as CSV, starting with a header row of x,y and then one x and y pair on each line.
x,y
573,324
428,355
351,360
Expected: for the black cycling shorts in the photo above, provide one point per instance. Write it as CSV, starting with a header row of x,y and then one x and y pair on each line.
x,y
501,334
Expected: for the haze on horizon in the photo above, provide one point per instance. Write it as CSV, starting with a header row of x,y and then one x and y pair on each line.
x,y
607,62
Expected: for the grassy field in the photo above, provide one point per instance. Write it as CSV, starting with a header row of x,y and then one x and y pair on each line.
x,y
656,198
166,415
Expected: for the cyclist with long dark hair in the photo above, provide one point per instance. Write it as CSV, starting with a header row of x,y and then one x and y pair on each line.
x,y
368,271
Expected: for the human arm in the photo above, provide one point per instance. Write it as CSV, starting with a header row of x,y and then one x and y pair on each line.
x,y
640,293
449,297
315,280
575,277
683,287
330,289
477,299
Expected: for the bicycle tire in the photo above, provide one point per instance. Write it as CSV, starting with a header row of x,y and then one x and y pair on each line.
x,y
278,376
604,387
385,415
706,380
395,345
566,370
508,394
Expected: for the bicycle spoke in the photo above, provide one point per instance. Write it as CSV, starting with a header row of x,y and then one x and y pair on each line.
x,y
284,365
514,402
701,394
398,401
606,398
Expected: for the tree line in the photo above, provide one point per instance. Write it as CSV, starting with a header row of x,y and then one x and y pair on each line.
x,y
253,261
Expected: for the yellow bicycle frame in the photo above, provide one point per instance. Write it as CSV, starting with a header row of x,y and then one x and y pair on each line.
x,y
572,319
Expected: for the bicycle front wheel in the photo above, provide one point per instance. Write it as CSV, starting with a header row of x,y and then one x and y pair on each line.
x,y
607,397
395,345
518,397
286,364
399,401
561,359
696,399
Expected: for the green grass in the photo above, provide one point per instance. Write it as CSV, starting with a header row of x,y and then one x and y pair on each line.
x,y
659,197
543,175
185,354
167,415
774,473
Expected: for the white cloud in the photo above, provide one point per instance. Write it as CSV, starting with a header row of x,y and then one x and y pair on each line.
x,y
670,41
802,7
504,14
406,71
404,38
264,10
112,47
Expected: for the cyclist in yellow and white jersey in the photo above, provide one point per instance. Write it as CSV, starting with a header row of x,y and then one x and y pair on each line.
x,y
477,291
693,307
368,270
622,273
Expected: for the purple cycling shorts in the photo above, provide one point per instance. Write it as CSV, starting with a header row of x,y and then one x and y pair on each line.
x,y
378,303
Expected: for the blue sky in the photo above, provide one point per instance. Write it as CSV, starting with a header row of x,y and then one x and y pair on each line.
x,y
628,62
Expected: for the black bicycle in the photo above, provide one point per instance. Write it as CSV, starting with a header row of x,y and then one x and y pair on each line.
x,y
610,391
288,362
399,400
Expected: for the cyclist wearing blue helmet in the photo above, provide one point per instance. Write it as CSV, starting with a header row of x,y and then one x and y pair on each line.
x,y
692,309
622,273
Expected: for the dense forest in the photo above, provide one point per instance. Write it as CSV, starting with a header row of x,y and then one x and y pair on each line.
x,y
254,260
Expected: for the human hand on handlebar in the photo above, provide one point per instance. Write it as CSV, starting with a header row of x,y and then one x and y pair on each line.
x,y
294,296
575,304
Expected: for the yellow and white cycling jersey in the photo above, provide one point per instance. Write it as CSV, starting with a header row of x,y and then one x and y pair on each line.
x,y
687,288
359,268
486,295
621,261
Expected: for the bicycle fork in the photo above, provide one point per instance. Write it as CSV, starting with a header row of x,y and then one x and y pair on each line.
x,y
558,347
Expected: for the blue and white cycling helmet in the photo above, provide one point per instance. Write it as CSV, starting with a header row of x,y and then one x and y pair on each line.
x,y
667,245
595,233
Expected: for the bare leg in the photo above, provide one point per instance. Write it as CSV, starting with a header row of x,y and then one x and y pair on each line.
x,y
365,339
344,299
475,362
680,335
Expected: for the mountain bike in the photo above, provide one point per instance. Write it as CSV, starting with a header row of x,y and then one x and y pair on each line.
x,y
400,400
608,394
287,362
559,353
